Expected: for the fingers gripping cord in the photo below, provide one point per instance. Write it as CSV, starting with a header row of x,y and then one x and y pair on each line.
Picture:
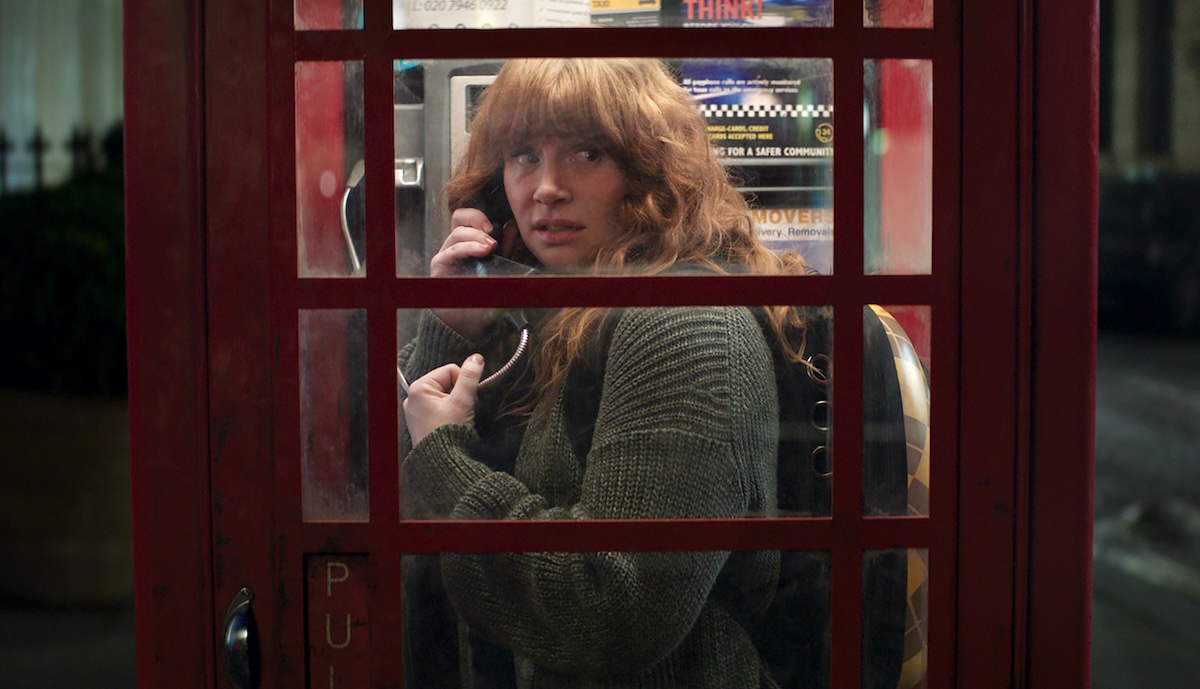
x,y
522,344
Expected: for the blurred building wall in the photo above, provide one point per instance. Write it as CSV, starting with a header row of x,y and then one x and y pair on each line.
x,y
1187,93
1150,86
60,69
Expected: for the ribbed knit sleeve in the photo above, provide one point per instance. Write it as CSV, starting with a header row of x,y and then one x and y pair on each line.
x,y
436,344
687,428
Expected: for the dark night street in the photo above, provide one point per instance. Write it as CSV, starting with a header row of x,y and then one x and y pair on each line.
x,y
1146,601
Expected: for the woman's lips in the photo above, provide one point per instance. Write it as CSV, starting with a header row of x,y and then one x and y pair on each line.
x,y
553,234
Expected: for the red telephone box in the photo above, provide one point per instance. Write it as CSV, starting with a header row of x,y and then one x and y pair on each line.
x,y
237,551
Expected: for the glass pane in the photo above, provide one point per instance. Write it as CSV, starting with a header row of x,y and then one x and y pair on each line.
x,y
328,14
771,122
666,439
805,390
898,14
898,167
896,410
333,414
755,141
329,151
594,619
895,618
496,14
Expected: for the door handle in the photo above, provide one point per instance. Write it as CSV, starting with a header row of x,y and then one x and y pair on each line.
x,y
239,642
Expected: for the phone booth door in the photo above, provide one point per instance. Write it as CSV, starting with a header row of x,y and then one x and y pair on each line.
x,y
286,163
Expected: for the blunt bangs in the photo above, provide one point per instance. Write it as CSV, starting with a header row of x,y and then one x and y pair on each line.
x,y
539,98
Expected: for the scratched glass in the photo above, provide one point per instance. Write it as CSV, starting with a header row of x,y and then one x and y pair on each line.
x,y
499,620
898,14
898,167
552,14
329,147
895,618
333,415
327,14
769,121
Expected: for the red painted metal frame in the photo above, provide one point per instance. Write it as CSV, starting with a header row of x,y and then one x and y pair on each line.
x,y
992,457
1065,131
213,297
168,372
846,534
240,104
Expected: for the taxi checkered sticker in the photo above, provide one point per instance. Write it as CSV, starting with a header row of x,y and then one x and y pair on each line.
x,y
741,110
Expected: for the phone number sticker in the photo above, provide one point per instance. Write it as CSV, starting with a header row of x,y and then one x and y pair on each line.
x,y
489,14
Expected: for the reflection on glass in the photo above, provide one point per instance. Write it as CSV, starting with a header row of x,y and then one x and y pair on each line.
x,y
418,201
768,122
329,151
328,14
771,122
805,389
636,428
898,14
898,166
678,617
896,410
895,618
500,14
333,414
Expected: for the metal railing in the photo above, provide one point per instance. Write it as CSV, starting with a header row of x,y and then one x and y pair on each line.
x,y
88,153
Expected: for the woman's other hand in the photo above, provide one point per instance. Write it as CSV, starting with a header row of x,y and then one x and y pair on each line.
x,y
444,395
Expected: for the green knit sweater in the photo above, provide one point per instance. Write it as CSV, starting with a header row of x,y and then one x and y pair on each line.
x,y
687,428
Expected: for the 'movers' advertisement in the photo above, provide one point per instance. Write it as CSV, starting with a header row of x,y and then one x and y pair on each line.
x,y
774,120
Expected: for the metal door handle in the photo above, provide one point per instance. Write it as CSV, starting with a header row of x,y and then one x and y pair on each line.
x,y
239,642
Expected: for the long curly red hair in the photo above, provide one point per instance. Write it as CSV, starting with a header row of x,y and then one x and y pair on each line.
x,y
680,205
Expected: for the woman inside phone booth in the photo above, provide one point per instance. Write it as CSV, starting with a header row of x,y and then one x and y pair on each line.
x,y
601,166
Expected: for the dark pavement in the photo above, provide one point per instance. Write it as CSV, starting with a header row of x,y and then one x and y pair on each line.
x,y
1146,594
44,648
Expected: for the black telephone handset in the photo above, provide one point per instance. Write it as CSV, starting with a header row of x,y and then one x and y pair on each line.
x,y
493,201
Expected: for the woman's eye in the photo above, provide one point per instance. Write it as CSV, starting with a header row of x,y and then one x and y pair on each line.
x,y
525,157
590,155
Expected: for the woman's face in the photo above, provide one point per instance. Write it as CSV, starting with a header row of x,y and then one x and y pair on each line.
x,y
564,195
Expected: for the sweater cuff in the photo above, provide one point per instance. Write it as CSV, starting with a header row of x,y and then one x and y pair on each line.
x,y
437,337
439,470
437,344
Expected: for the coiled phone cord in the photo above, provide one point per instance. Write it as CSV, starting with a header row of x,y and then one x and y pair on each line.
x,y
522,345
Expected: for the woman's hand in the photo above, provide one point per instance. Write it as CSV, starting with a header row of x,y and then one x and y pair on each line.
x,y
444,395
469,238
